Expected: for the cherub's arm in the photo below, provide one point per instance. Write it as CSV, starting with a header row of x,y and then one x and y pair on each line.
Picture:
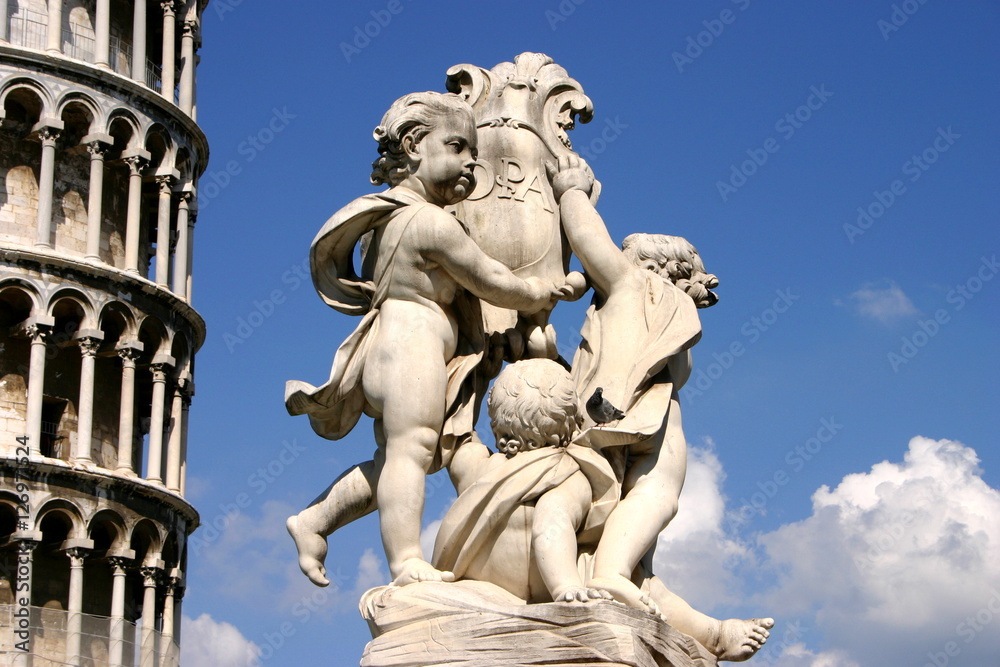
x,y
603,261
445,242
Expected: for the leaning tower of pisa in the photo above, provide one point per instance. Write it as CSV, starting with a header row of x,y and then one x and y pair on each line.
x,y
100,155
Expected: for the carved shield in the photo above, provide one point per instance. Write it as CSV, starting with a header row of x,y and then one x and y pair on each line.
x,y
523,112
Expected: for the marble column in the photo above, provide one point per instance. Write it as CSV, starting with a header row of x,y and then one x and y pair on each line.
x,y
36,384
54,30
3,23
189,34
116,639
174,442
139,41
167,658
126,411
192,218
181,252
169,49
147,650
95,199
154,472
46,182
185,409
102,33
163,231
74,618
85,406
133,224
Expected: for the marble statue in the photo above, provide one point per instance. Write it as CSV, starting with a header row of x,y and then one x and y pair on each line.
x,y
545,556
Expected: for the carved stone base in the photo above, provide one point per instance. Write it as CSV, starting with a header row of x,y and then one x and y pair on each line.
x,y
474,624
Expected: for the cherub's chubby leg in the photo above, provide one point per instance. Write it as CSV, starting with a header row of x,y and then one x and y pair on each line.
x,y
557,517
652,486
733,639
349,498
411,399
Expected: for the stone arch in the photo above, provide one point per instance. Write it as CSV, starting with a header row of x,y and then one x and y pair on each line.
x,y
78,22
69,302
118,322
68,515
107,530
180,350
146,540
184,164
160,147
25,100
73,108
18,301
124,127
154,336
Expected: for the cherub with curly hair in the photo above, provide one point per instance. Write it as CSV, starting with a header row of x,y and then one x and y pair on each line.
x,y
405,363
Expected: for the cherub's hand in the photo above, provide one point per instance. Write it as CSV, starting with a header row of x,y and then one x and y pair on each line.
x,y
544,294
572,174
575,286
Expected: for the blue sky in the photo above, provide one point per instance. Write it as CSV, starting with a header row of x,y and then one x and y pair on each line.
x,y
834,163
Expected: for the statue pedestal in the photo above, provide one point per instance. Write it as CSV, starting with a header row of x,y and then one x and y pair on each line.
x,y
476,624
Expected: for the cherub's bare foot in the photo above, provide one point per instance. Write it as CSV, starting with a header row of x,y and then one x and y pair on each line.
x,y
413,570
312,551
626,592
739,639
580,594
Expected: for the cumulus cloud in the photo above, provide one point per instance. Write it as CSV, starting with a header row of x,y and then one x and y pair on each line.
x,y
210,643
694,556
260,544
883,304
897,563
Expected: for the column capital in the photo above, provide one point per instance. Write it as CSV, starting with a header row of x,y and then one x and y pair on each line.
x,y
118,564
136,163
76,555
159,372
129,352
150,575
48,130
89,344
37,331
190,28
165,182
169,7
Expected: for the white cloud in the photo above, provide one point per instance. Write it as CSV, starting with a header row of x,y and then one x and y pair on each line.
x,y
892,562
259,543
210,643
797,655
694,556
884,304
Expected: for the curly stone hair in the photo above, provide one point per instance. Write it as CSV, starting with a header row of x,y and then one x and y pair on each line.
x,y
533,404
411,115
678,259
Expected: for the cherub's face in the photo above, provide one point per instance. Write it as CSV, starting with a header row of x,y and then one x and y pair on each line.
x,y
447,156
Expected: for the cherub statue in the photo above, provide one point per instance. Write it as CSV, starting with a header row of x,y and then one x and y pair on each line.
x,y
636,346
407,361
520,520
